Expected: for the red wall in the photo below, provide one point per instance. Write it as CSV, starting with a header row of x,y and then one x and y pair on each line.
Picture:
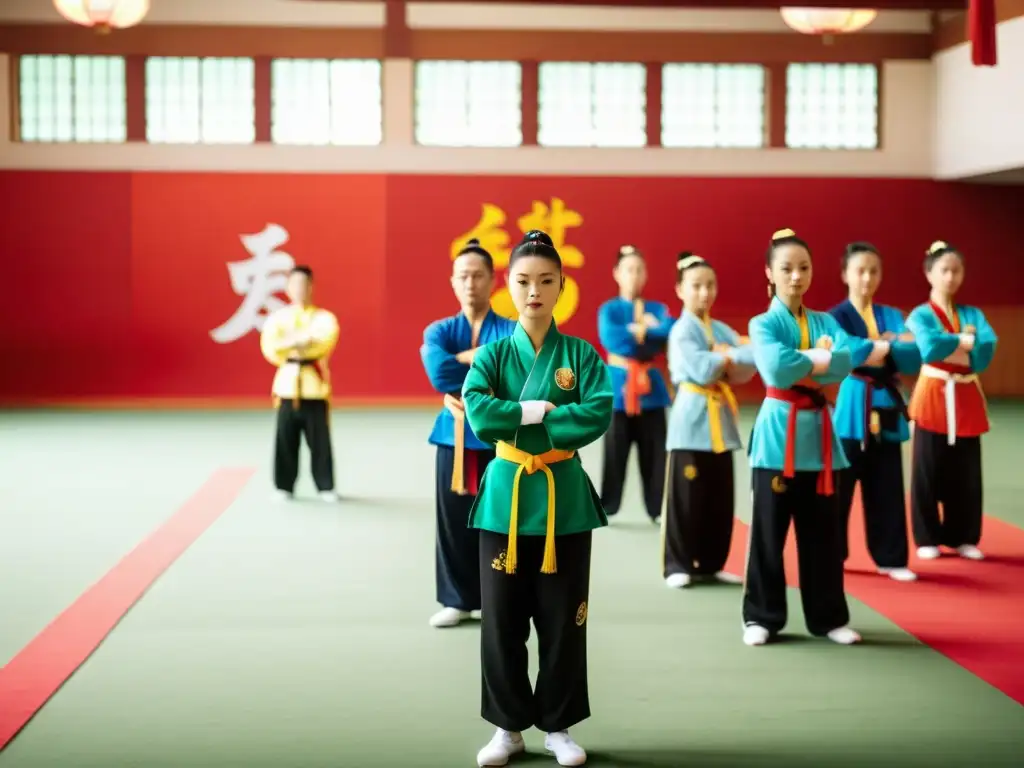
x,y
116,279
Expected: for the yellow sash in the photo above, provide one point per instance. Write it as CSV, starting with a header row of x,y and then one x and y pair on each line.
x,y
531,464
458,463
715,394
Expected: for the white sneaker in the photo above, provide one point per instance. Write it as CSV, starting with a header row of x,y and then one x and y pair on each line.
x,y
331,496
970,551
728,578
844,636
928,553
678,580
565,750
754,634
898,574
500,748
449,617
283,495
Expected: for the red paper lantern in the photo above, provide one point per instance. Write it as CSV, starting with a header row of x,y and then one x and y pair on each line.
x,y
827,21
103,15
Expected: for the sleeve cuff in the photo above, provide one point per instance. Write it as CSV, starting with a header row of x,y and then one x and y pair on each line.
x,y
533,412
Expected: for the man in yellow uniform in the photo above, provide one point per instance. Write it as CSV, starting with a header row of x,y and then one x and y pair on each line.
x,y
299,339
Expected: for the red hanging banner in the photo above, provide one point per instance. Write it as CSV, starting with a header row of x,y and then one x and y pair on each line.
x,y
981,31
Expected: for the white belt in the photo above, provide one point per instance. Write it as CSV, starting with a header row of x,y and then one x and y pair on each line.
x,y
949,390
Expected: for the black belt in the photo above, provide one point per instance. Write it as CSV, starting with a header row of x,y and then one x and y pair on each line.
x,y
886,379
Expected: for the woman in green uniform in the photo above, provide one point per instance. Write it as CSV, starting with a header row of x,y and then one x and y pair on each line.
x,y
539,396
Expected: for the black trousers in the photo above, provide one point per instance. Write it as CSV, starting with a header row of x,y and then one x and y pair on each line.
x,y
949,475
457,565
647,430
818,523
879,470
557,604
309,419
698,519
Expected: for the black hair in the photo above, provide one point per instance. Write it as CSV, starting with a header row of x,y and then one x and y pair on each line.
x,y
473,246
936,251
780,238
860,246
628,250
302,269
535,243
686,261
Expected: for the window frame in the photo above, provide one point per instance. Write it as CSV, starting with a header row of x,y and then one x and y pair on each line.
x,y
718,67
641,66
821,146
201,102
329,107
17,96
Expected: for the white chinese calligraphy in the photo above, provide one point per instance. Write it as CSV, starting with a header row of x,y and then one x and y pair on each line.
x,y
257,279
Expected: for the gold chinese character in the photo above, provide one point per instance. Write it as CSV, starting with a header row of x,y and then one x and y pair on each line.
x,y
555,220
489,232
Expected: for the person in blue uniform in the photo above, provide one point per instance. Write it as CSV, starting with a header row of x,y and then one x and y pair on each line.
x,y
705,357
949,411
794,453
633,332
871,415
449,346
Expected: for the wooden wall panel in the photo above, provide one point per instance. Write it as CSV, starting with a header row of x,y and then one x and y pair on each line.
x,y
1006,376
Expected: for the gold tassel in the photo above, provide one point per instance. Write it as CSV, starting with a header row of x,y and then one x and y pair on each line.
x,y
549,564
513,524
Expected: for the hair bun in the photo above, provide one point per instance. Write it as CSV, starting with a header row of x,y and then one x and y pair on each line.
x,y
536,236
472,243
782,234
688,259
938,245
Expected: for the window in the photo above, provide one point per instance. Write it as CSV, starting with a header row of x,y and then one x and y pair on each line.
x,y
72,98
469,103
592,105
200,101
832,106
321,101
712,105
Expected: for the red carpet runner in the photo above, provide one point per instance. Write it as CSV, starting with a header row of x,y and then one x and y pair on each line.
x,y
971,612
39,670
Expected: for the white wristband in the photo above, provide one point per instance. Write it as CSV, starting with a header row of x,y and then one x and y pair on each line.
x,y
533,412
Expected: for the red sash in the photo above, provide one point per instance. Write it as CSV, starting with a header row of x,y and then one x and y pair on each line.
x,y
807,399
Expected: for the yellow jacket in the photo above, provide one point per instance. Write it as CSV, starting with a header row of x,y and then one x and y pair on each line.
x,y
280,341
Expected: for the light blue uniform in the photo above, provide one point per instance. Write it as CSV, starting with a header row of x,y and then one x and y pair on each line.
x,y
442,341
775,338
691,361
850,417
613,319
936,343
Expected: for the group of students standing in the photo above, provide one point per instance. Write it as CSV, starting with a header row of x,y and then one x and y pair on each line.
x,y
515,508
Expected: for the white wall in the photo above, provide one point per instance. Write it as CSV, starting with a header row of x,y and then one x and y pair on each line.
x,y
979,111
906,132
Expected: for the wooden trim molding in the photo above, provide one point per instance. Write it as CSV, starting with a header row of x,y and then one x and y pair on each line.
x,y
953,31
483,45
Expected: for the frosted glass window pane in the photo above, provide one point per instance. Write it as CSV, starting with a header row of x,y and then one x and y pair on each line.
x,y
832,106
469,103
592,105
200,101
712,105
326,101
72,99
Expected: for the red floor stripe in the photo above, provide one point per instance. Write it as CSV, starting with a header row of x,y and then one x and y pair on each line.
x,y
29,680
971,612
